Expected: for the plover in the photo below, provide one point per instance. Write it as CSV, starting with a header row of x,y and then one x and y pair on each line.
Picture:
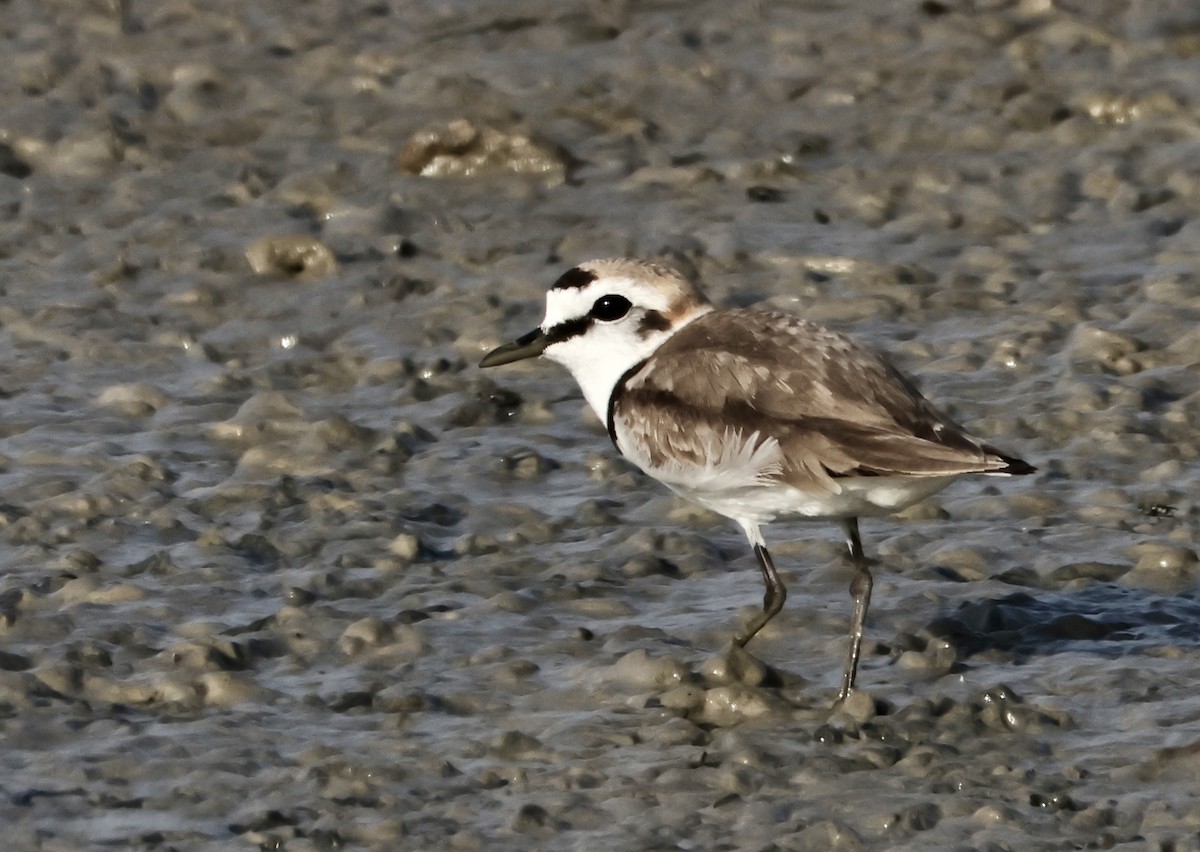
x,y
751,413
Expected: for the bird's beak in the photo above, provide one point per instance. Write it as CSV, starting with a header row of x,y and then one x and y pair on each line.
x,y
528,346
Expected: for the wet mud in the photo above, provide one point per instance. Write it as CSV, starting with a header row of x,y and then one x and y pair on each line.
x,y
281,568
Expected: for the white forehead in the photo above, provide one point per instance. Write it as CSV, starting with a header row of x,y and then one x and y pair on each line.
x,y
576,302
647,286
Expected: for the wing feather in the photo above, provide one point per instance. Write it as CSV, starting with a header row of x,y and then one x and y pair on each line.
x,y
832,407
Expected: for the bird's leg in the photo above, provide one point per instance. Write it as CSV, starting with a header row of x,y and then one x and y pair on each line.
x,y
775,595
860,589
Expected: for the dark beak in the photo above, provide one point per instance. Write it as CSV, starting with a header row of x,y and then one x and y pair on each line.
x,y
528,346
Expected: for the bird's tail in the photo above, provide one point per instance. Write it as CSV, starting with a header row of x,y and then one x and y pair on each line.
x,y
1012,466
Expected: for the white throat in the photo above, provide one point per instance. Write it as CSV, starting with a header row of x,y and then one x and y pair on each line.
x,y
601,357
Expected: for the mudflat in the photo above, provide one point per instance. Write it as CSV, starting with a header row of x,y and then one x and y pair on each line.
x,y
281,568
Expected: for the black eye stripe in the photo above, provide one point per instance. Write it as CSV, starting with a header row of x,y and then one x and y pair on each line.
x,y
567,330
606,309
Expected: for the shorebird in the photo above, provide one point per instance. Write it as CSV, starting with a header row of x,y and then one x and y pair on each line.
x,y
754,414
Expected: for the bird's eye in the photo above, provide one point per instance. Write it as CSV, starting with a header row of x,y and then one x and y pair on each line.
x,y
609,308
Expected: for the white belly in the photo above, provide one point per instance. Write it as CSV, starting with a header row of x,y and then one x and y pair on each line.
x,y
739,478
860,496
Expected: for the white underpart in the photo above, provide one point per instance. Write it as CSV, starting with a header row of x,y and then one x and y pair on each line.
x,y
752,531
733,465
734,479
738,479
856,497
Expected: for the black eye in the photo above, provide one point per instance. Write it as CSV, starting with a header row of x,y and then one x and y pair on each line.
x,y
609,308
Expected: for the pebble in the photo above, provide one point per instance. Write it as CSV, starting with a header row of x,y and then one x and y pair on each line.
x,y
461,149
640,671
406,546
1167,569
738,666
137,399
291,256
729,705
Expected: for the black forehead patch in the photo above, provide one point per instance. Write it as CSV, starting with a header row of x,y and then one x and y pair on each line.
x,y
573,279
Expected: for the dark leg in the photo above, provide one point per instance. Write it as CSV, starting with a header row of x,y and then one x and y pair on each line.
x,y
860,589
773,600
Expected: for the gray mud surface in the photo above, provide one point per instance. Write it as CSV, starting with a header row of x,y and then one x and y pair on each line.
x,y
282,569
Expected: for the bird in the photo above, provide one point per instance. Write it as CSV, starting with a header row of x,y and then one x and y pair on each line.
x,y
755,414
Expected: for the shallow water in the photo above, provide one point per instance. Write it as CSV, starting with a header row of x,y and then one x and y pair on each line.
x,y
282,568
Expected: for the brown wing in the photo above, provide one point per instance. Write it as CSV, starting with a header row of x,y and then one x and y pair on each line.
x,y
836,407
